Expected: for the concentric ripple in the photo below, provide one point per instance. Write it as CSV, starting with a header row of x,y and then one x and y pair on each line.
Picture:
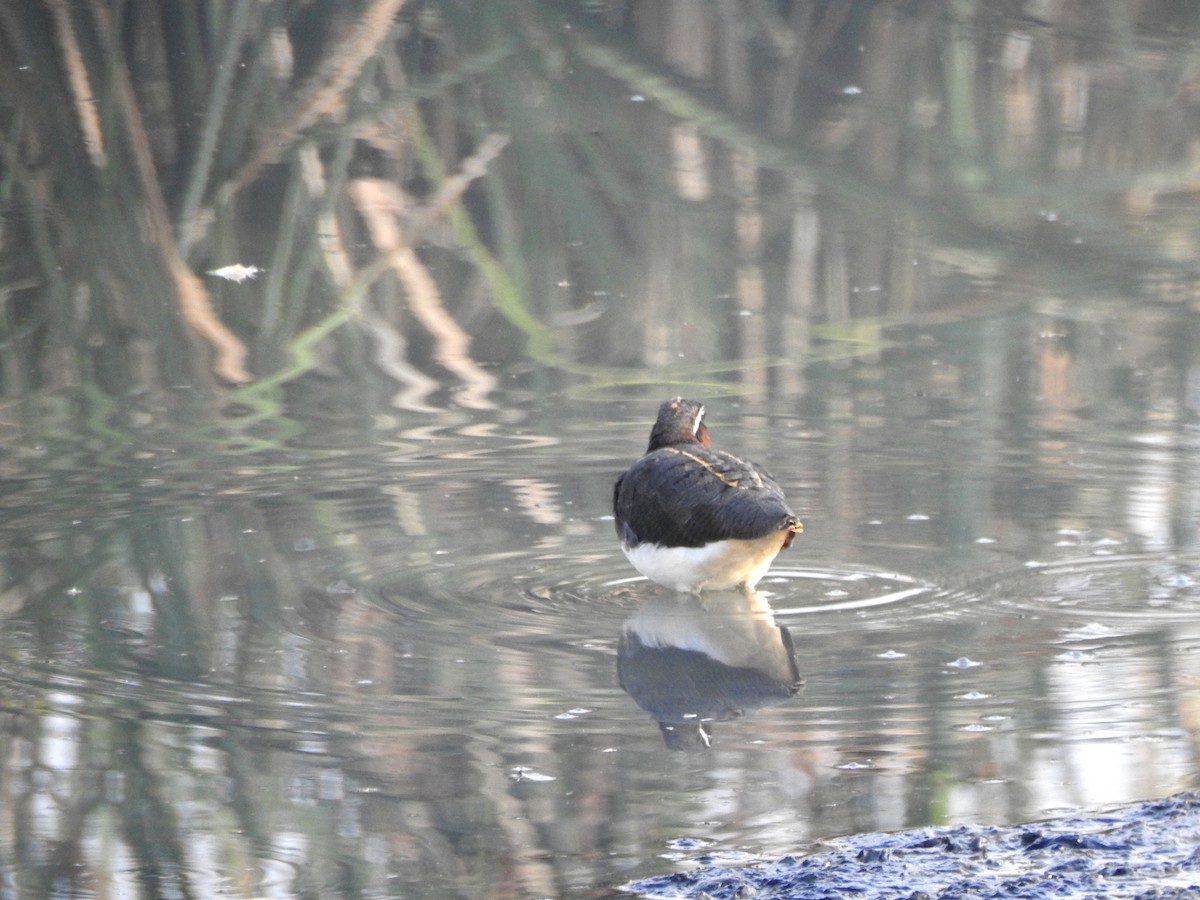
x,y
1143,586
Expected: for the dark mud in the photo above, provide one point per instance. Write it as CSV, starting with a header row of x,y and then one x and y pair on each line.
x,y
1145,850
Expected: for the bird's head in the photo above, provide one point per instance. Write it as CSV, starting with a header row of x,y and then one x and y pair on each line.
x,y
679,422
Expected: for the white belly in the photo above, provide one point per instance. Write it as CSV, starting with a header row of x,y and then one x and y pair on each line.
x,y
716,566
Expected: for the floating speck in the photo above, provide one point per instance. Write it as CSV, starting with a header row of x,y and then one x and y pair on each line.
x,y
637,98
891,654
852,90
918,517
973,695
985,540
853,766
236,273
963,663
973,727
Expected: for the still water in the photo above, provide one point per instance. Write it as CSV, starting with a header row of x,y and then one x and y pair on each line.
x,y
309,585
396,659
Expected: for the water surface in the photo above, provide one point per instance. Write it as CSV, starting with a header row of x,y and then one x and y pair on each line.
x,y
346,615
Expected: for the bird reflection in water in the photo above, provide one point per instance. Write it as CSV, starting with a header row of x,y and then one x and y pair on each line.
x,y
691,660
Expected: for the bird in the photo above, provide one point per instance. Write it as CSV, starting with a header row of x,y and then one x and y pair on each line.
x,y
691,518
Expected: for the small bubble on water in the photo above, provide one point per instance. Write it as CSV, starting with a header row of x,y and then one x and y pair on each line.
x,y
688,843
963,663
525,773
1075,656
973,695
573,713
973,728
853,766
985,540
1177,580
918,517
891,654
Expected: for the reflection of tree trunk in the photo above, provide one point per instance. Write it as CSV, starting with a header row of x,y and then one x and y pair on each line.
x,y
659,326
195,305
835,267
733,57
785,88
752,323
800,287
687,36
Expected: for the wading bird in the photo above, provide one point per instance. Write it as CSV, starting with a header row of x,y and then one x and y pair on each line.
x,y
692,518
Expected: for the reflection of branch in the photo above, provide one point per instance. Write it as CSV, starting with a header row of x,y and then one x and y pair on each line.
x,y
389,356
196,309
454,186
379,203
77,76
324,92
507,299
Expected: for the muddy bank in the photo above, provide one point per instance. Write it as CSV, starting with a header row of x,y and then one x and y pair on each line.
x,y
1144,850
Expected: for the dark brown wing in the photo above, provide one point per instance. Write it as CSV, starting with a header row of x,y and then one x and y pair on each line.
x,y
691,496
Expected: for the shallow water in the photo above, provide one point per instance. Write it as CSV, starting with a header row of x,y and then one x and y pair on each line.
x,y
405,649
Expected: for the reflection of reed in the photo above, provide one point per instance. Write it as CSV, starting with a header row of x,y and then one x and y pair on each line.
x,y
86,102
